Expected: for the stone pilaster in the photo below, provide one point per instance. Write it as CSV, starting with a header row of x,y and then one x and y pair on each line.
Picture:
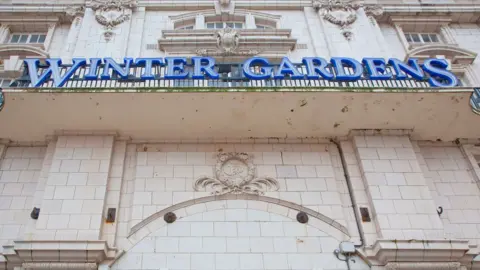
x,y
447,35
4,33
200,21
403,207
136,33
250,21
76,15
74,195
40,188
114,186
49,37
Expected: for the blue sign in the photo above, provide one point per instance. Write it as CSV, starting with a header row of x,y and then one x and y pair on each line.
x,y
475,100
434,71
2,99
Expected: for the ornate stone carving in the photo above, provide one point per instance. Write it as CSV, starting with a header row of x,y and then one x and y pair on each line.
x,y
110,13
224,6
235,173
74,11
228,41
224,2
339,12
373,11
423,265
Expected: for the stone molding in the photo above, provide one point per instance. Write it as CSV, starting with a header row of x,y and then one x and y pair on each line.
x,y
454,53
238,42
53,265
318,220
73,12
235,173
396,252
266,5
56,254
423,266
210,12
22,50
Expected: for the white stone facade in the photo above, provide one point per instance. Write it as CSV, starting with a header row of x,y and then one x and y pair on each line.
x,y
395,173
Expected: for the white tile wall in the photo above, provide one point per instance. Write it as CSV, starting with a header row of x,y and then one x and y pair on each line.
x,y
275,243
19,174
75,190
448,176
166,178
386,163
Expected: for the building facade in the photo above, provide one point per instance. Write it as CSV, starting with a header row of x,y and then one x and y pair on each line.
x,y
231,172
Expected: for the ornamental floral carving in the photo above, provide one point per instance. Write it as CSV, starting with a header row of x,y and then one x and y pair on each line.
x,y
235,173
110,13
338,12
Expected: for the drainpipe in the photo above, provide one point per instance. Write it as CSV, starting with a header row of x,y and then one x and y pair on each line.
x,y
350,192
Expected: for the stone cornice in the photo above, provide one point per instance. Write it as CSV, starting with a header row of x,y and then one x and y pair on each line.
x,y
248,4
458,12
238,43
392,252
423,266
46,254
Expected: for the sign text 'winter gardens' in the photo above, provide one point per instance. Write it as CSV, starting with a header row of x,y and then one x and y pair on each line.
x,y
341,69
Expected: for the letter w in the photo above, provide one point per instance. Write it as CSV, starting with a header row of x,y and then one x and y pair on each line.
x,y
52,71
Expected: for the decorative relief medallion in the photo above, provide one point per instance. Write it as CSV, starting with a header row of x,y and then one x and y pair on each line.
x,y
111,13
338,12
235,173
228,41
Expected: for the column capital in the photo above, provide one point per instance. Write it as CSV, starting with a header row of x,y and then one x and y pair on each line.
x,y
73,12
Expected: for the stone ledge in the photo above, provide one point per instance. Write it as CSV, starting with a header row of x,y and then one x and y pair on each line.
x,y
424,266
385,252
44,254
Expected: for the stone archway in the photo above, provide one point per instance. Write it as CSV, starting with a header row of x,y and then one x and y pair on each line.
x,y
155,221
234,232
